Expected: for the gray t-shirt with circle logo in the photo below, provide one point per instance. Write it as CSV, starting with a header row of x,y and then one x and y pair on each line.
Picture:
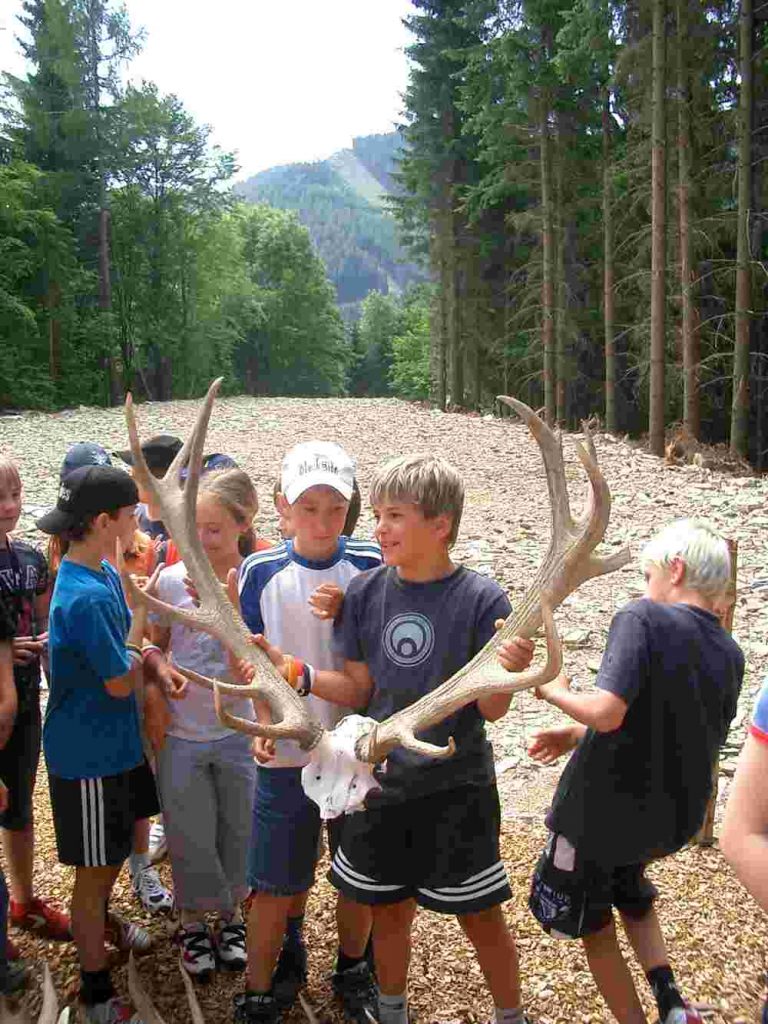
x,y
414,636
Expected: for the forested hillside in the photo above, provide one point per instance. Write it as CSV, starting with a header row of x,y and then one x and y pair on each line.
x,y
125,260
591,180
343,203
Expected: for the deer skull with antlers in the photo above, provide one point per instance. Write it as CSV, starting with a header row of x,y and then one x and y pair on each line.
x,y
339,758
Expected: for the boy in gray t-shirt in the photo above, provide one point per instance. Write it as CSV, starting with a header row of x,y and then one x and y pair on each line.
x,y
430,836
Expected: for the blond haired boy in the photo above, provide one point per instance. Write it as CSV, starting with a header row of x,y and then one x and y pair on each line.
x,y
638,784
430,836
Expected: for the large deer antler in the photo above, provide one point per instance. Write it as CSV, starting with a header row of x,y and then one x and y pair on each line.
x,y
569,561
215,614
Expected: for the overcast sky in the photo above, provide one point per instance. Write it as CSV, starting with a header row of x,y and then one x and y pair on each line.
x,y
278,80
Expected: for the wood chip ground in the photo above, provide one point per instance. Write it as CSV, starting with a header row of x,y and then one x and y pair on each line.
x,y
718,939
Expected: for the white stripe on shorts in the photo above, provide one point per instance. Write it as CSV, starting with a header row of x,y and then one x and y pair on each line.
x,y
343,868
473,888
92,815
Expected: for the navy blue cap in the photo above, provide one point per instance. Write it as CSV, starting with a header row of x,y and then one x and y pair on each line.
x,y
84,453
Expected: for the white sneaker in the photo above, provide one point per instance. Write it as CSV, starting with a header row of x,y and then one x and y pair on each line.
x,y
197,955
153,895
158,847
126,936
230,945
114,1011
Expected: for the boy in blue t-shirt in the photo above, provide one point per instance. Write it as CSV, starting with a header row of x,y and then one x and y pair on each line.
x,y
100,783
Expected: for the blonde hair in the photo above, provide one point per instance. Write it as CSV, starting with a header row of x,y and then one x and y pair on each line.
x,y
9,471
234,490
699,547
424,480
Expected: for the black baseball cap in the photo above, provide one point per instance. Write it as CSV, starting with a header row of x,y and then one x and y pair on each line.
x,y
84,453
87,492
159,451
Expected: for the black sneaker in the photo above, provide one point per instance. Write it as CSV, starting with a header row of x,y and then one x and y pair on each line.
x,y
290,974
357,990
250,1008
14,975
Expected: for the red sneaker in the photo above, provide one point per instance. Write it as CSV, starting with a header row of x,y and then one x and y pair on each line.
x,y
40,918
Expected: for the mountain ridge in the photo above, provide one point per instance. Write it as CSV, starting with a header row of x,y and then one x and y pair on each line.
x,y
342,201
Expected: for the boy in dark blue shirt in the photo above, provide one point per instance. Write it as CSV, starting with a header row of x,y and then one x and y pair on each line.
x,y
99,781
639,781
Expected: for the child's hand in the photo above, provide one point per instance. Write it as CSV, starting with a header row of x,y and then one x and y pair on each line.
x,y
515,654
326,601
3,797
157,670
562,684
274,654
264,749
550,744
26,649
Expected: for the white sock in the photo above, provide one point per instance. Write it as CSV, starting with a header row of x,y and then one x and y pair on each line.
x,y
137,862
393,1009
509,1016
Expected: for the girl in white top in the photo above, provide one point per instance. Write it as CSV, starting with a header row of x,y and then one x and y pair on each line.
x,y
205,772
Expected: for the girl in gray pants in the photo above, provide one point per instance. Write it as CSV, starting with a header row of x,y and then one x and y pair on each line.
x,y
205,772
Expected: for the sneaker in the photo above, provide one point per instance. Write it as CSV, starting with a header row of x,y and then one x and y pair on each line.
x,y
127,936
153,895
358,993
683,1015
196,947
42,919
290,974
114,1011
158,847
14,975
255,1009
230,945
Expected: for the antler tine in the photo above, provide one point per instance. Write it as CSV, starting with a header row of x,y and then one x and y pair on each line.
x,y
215,613
50,1008
550,444
139,996
462,689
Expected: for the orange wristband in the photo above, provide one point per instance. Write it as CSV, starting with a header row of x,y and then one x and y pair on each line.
x,y
295,670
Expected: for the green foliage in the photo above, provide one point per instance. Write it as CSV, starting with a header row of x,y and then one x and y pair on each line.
x,y
195,287
295,341
409,374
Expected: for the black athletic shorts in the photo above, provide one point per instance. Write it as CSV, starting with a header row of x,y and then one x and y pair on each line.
x,y
572,897
441,850
18,766
94,818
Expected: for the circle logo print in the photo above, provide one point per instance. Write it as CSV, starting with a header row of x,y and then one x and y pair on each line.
x,y
409,639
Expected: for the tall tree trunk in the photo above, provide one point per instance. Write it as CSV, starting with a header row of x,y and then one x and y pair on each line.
x,y
548,261
611,420
658,232
690,326
53,300
740,403
438,319
561,297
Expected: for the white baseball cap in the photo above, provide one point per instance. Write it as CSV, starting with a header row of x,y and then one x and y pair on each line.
x,y
317,462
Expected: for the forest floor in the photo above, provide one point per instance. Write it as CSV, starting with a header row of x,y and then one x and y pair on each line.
x,y
718,940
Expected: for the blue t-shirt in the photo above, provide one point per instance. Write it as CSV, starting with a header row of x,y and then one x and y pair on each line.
x,y
87,733
412,637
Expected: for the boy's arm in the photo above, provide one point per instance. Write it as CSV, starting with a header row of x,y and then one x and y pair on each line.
x,y
602,711
352,688
8,698
744,835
